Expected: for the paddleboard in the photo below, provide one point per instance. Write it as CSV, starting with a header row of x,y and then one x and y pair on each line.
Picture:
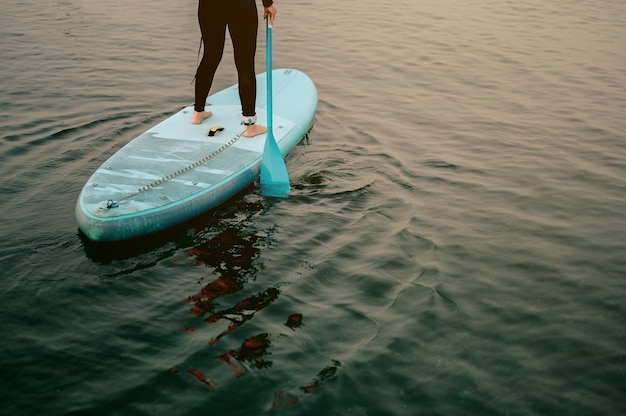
x,y
177,170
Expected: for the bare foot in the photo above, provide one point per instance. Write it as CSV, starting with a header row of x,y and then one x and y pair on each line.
x,y
199,116
254,130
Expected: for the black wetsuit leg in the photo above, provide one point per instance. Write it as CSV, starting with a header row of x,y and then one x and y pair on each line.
x,y
243,31
241,18
212,19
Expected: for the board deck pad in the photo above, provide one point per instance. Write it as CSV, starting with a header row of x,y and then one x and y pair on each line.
x,y
175,160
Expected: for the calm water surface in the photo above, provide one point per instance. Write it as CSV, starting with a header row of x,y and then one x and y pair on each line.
x,y
453,245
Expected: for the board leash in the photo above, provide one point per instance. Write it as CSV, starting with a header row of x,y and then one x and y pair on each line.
x,y
114,204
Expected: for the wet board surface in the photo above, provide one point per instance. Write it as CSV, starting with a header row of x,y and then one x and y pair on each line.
x,y
175,171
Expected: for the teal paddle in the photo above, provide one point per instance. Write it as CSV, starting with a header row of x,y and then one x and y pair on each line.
x,y
274,176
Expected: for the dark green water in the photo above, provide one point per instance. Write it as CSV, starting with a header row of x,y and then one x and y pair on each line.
x,y
453,244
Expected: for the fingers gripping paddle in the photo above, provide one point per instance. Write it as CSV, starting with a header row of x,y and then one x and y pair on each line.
x,y
274,176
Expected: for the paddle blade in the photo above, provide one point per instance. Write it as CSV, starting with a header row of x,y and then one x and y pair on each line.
x,y
274,176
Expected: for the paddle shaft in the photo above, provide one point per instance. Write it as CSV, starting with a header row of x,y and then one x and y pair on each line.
x,y
268,59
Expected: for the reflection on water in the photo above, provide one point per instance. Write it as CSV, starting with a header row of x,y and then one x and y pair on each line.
x,y
253,350
228,245
242,312
285,399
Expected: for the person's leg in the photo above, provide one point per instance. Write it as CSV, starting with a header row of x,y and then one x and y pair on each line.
x,y
243,28
212,20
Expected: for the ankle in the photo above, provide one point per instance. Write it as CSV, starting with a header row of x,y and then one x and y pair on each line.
x,y
248,120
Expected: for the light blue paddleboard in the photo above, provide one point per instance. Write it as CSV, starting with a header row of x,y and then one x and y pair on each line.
x,y
176,171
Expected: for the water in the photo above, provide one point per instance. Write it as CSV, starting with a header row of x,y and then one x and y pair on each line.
x,y
453,244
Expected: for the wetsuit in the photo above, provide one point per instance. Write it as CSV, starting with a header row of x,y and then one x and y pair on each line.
x,y
241,18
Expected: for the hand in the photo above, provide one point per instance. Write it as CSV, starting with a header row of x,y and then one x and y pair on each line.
x,y
271,12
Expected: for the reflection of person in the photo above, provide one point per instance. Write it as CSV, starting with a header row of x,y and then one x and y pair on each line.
x,y
241,18
242,311
253,350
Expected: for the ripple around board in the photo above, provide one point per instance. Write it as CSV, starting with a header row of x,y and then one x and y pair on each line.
x,y
330,174
73,128
497,234
486,223
441,164
434,191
